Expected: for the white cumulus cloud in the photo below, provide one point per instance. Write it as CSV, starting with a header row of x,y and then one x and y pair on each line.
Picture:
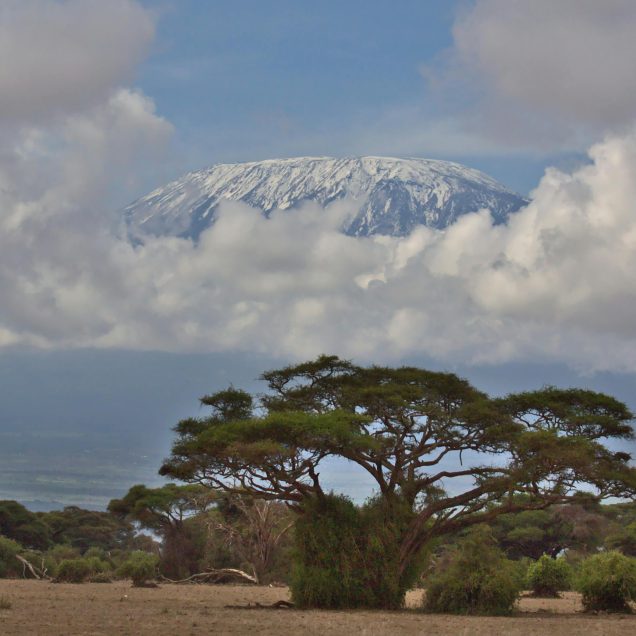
x,y
541,74
61,56
555,284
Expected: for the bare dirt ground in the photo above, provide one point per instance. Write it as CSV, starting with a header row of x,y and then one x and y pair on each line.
x,y
44,608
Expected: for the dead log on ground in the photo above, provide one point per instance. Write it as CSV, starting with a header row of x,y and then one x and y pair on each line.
x,y
214,576
26,565
276,605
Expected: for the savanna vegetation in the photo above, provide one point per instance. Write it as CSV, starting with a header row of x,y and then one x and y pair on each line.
x,y
476,497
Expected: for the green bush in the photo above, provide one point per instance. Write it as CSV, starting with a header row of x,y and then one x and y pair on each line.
x,y
607,582
97,566
548,576
95,553
62,552
476,578
520,568
73,571
9,565
140,566
346,556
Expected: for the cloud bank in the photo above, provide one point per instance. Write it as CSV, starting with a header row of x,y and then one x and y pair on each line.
x,y
555,284
64,56
540,74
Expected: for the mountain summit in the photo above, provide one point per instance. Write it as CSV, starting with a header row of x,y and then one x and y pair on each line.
x,y
393,195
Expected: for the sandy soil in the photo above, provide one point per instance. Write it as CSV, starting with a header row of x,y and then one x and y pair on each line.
x,y
44,608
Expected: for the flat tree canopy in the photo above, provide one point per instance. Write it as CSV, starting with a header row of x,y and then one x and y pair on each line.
x,y
431,442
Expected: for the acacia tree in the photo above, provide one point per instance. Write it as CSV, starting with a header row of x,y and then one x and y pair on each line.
x,y
443,455
532,533
166,510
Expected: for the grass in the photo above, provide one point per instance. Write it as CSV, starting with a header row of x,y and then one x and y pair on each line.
x,y
5,603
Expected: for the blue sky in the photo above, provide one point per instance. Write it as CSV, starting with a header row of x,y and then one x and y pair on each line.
x,y
248,80
104,345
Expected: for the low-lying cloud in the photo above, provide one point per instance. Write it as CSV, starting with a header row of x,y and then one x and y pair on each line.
x,y
555,284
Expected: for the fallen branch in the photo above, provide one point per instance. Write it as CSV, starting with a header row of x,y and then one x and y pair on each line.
x,y
27,566
213,576
276,605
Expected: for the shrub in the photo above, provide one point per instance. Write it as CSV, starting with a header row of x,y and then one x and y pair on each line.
x,y
5,603
9,565
100,577
140,566
73,571
476,579
607,582
520,567
97,566
62,552
95,553
346,556
548,576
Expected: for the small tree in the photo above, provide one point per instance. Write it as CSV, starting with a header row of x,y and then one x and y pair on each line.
x,y
475,578
622,532
23,526
165,511
84,529
9,565
547,576
73,571
141,567
607,582
532,533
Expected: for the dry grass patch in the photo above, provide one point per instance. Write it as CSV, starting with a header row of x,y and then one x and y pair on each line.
x,y
110,609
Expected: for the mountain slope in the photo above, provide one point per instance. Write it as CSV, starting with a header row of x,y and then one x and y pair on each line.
x,y
392,195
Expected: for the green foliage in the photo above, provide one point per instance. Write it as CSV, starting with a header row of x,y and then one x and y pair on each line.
x,y
97,553
607,582
622,533
78,570
346,556
73,571
623,539
532,533
101,577
97,565
62,552
399,425
476,579
23,526
159,508
141,567
55,555
548,576
326,574
166,511
84,529
8,563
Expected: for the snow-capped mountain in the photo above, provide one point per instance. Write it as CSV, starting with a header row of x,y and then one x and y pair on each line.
x,y
392,196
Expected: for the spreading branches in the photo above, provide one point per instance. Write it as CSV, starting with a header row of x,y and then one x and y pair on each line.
x,y
429,440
